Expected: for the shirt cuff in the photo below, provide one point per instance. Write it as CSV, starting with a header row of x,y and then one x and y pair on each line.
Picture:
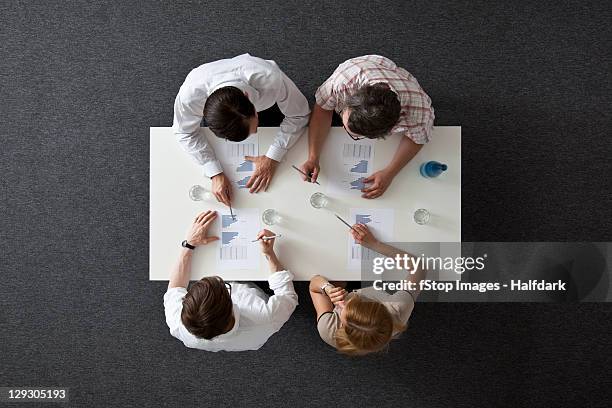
x,y
276,153
279,279
212,168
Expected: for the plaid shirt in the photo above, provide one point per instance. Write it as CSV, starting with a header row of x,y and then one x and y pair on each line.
x,y
417,115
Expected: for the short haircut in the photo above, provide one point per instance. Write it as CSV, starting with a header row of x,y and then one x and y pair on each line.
x,y
375,109
228,112
207,308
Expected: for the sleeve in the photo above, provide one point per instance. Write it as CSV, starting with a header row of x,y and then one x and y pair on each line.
x,y
402,302
293,104
173,305
187,119
326,97
327,325
422,133
280,306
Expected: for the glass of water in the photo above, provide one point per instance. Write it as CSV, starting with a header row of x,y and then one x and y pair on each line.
x,y
199,193
271,217
319,200
421,216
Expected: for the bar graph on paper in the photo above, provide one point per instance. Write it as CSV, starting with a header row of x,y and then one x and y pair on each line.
x,y
236,251
380,222
235,166
348,174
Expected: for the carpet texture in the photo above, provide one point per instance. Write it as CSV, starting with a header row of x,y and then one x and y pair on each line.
x,y
82,82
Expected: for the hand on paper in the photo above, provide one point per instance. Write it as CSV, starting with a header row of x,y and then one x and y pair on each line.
x,y
363,235
311,166
198,234
380,181
264,171
222,188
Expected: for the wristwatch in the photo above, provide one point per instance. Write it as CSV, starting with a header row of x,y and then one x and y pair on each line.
x,y
324,286
186,244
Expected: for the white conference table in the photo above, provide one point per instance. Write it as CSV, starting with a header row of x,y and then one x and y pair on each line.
x,y
313,240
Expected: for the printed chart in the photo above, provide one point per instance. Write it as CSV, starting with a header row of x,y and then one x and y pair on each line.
x,y
380,222
347,174
235,167
236,250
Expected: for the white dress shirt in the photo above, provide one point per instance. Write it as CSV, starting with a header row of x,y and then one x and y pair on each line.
x,y
256,317
265,85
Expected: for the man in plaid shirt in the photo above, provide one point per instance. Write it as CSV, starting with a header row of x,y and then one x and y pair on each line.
x,y
374,98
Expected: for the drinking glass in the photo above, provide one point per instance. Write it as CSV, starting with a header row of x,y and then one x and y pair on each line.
x,y
421,216
271,217
319,200
199,193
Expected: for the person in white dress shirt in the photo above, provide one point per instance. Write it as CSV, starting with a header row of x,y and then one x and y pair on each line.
x,y
215,315
228,94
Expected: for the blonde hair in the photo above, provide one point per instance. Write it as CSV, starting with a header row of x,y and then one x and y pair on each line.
x,y
369,327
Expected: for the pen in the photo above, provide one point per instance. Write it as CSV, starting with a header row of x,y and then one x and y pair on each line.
x,y
309,177
344,222
230,206
267,238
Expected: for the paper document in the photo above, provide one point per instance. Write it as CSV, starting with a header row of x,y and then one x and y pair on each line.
x,y
351,164
235,167
380,222
236,251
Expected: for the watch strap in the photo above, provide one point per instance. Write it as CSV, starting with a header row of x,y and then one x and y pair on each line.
x,y
186,244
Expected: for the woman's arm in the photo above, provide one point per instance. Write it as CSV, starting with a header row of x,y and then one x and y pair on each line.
x,y
324,302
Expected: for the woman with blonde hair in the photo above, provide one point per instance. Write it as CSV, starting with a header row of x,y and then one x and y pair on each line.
x,y
366,320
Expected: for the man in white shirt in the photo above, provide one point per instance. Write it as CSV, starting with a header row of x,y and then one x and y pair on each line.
x,y
214,315
228,94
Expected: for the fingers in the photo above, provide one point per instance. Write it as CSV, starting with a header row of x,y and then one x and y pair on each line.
x,y
373,194
201,216
306,170
209,217
315,174
267,183
261,234
255,186
250,158
252,179
369,179
336,294
210,239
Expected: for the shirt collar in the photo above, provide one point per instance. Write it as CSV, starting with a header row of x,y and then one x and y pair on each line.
x,y
242,85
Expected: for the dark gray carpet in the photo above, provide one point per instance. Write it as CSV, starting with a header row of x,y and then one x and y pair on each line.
x,y
80,84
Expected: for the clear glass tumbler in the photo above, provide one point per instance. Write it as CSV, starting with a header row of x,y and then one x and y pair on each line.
x,y
199,193
421,216
271,217
319,200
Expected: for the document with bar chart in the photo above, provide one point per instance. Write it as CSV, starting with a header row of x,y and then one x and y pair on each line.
x,y
236,251
352,163
235,167
380,222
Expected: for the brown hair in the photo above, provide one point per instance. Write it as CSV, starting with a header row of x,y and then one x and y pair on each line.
x,y
375,109
228,112
369,327
207,308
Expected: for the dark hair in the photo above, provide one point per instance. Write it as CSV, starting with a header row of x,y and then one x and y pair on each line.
x,y
207,308
375,109
228,112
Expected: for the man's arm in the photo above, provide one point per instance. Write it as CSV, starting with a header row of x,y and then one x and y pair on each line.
x,y
293,104
382,179
197,236
280,306
320,123
187,120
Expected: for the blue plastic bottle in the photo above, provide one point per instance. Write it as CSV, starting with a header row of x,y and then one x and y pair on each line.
x,y
432,169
